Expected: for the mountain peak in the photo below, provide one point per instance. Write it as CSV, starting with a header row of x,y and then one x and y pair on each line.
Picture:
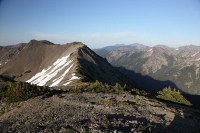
x,y
39,42
77,44
162,46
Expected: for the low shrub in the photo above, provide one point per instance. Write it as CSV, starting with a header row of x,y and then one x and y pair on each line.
x,y
19,91
172,95
97,87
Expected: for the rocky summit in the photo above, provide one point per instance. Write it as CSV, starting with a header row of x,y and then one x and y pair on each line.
x,y
98,113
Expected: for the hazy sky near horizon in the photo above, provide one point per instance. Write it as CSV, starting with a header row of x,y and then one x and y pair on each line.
x,y
99,23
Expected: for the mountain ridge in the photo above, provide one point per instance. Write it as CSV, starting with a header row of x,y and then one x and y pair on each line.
x,y
46,64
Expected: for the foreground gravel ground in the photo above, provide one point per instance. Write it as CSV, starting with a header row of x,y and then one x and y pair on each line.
x,y
65,113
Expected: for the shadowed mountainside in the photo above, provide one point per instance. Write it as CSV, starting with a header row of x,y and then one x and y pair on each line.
x,y
152,85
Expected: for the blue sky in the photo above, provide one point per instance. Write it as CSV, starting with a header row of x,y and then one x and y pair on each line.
x,y
99,23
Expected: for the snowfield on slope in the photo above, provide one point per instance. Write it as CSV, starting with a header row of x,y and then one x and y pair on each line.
x,y
52,72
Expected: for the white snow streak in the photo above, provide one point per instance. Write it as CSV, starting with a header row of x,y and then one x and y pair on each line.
x,y
177,49
149,52
46,75
67,83
58,80
74,77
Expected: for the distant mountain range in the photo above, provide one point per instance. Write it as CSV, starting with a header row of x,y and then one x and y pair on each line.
x,y
176,67
46,64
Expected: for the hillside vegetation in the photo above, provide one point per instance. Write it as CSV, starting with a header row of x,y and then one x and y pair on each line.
x,y
172,95
97,87
19,91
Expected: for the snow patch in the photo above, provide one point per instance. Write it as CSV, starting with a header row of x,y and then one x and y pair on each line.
x,y
67,83
46,75
149,52
177,49
74,77
58,80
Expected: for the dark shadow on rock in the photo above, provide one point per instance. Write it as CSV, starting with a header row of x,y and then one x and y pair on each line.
x,y
152,85
103,72
148,83
4,126
125,123
178,125
194,99
5,78
186,121
54,92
